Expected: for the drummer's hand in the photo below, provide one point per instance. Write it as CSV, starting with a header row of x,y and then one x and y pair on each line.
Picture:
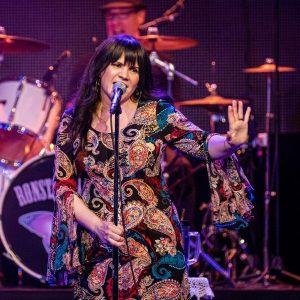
x,y
238,123
109,233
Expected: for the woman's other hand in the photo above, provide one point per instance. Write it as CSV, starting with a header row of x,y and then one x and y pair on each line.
x,y
238,123
109,233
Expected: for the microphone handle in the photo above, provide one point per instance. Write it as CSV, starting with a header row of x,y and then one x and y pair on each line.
x,y
115,100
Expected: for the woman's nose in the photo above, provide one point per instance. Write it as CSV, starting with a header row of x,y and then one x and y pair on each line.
x,y
124,73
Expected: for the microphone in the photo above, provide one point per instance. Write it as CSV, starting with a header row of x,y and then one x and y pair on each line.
x,y
52,70
119,88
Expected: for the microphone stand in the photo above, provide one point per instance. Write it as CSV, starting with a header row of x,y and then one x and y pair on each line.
x,y
116,202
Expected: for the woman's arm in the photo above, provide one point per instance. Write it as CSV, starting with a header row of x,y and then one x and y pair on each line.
x,y
106,231
231,193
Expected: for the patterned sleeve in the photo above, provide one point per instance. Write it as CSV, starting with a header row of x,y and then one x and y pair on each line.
x,y
63,260
231,192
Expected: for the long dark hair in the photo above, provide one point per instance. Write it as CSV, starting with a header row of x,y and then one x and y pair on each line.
x,y
88,95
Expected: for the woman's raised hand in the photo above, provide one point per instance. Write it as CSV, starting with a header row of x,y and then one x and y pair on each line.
x,y
238,123
109,233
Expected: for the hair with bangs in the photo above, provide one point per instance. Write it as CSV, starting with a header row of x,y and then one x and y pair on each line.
x,y
88,95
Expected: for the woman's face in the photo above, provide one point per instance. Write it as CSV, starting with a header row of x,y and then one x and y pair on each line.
x,y
119,71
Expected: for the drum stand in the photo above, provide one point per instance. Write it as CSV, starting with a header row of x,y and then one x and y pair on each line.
x,y
268,193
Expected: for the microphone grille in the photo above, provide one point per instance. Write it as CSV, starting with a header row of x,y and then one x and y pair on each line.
x,y
120,85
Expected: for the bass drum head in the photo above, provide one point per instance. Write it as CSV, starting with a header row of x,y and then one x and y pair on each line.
x,y
26,209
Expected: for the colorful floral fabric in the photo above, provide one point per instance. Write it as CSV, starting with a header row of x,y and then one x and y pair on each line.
x,y
78,257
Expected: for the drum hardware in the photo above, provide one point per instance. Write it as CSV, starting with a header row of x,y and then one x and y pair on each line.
x,y
268,68
168,16
154,42
160,43
183,179
50,74
18,94
237,264
193,251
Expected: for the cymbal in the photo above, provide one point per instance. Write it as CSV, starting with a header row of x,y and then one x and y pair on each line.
x,y
166,43
268,68
212,103
10,44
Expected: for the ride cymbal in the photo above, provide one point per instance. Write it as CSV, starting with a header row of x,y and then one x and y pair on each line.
x,y
160,43
212,103
268,68
10,44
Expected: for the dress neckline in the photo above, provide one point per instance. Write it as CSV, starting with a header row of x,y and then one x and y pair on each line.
x,y
128,124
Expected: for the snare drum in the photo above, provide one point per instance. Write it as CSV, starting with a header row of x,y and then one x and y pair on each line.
x,y
24,111
26,209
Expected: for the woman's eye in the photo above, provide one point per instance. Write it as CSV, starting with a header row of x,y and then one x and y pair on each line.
x,y
116,64
135,70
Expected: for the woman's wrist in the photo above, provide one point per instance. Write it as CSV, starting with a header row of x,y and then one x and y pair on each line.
x,y
230,145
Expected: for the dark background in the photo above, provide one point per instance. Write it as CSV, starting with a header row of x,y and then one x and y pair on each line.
x,y
233,33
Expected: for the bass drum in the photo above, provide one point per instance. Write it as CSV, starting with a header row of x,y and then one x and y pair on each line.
x,y
26,209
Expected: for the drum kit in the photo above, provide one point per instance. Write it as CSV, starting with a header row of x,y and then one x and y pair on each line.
x,y
29,114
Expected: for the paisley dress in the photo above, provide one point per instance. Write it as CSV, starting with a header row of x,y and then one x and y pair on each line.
x,y
77,256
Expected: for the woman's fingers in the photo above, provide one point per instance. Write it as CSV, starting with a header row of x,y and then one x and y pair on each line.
x,y
230,115
247,114
240,110
235,110
116,237
115,243
112,234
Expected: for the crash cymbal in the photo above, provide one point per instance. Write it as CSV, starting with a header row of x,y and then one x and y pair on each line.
x,y
18,45
166,43
212,103
268,68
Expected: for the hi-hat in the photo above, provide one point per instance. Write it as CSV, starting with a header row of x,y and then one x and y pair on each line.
x,y
212,103
10,44
166,43
268,68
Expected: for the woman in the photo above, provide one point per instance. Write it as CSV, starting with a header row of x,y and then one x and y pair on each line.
x,y
149,236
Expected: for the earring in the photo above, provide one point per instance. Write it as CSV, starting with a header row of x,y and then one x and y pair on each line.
x,y
137,95
97,87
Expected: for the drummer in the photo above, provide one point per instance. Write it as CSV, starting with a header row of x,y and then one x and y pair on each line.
x,y
124,17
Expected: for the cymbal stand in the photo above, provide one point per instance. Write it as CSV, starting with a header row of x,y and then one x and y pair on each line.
x,y
2,31
267,195
166,67
214,116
